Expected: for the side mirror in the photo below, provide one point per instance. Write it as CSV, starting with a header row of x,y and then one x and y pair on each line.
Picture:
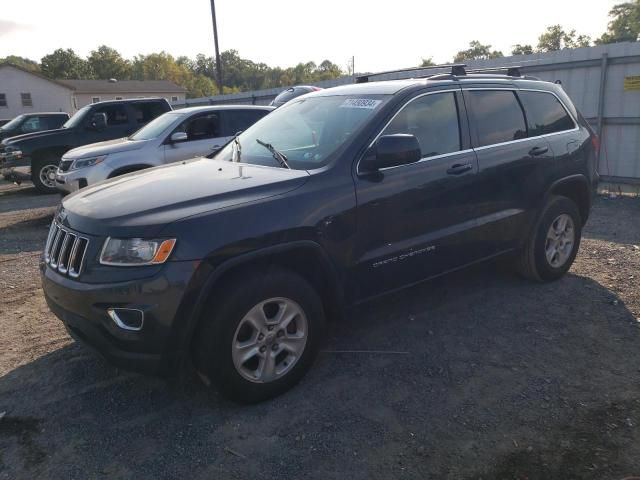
x,y
98,121
178,137
391,151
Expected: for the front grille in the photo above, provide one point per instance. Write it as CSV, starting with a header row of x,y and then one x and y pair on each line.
x,y
65,250
65,164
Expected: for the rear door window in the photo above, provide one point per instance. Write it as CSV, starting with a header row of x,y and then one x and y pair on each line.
x,y
54,121
116,114
498,116
545,113
239,120
433,119
144,112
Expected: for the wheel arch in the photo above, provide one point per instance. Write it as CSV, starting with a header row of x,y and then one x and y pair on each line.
x,y
45,152
576,188
305,258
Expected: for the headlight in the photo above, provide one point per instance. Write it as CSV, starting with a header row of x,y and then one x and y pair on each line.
x,y
136,251
87,162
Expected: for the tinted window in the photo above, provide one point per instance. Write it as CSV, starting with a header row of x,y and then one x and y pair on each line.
x,y
55,121
34,124
201,127
145,112
239,120
498,116
545,114
433,119
116,114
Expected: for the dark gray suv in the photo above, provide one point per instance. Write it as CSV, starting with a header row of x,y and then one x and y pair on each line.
x,y
338,197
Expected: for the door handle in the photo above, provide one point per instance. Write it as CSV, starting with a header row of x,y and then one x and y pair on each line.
x,y
459,168
215,147
535,151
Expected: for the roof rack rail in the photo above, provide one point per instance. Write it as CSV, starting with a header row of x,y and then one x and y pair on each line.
x,y
454,69
512,71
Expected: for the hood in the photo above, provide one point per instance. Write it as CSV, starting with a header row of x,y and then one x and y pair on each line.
x,y
35,135
155,197
104,148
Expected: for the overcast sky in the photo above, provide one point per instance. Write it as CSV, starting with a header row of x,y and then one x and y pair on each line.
x,y
381,35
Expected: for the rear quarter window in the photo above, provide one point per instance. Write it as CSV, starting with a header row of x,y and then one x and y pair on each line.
x,y
545,113
497,115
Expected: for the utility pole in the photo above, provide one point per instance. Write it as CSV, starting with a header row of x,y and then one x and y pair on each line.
x,y
215,41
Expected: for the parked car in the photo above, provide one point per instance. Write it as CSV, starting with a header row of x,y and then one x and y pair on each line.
x,y
173,136
33,122
36,156
291,93
336,198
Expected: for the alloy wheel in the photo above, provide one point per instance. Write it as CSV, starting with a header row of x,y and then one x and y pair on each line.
x,y
269,340
560,240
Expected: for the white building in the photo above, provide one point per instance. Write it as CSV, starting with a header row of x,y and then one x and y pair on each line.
x,y
22,91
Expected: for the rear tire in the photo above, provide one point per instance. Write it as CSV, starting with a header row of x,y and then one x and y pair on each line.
x,y
555,241
43,173
244,343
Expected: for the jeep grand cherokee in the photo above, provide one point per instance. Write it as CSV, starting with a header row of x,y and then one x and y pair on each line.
x,y
340,196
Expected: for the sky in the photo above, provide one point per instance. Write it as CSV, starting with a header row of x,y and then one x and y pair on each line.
x,y
380,35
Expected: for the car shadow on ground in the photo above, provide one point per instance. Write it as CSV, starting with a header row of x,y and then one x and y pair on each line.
x,y
474,375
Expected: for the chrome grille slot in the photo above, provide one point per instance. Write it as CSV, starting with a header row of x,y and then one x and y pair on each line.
x,y
65,250
55,249
47,249
76,260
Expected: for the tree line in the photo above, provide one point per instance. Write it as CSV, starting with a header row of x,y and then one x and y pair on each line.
x,y
197,74
624,26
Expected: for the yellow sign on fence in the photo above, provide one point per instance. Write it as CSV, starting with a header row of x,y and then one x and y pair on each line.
x,y
632,82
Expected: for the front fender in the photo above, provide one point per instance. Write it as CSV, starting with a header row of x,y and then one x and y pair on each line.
x,y
207,275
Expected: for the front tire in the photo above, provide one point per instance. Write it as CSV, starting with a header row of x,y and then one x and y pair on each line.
x,y
553,247
260,334
43,174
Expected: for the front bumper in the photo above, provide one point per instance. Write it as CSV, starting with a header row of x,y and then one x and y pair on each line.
x,y
73,180
70,181
8,161
82,307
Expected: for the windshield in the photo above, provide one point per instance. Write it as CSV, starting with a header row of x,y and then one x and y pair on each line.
x,y
77,118
307,131
13,123
154,128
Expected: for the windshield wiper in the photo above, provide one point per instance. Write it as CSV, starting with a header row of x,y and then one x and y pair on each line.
x,y
277,154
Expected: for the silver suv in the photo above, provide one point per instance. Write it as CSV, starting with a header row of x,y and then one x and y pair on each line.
x,y
173,136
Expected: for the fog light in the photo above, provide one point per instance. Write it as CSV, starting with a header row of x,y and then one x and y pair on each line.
x,y
127,318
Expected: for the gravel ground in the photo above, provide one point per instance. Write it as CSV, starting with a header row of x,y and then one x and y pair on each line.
x,y
493,378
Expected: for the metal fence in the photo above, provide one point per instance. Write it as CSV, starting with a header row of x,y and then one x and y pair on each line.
x,y
603,81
